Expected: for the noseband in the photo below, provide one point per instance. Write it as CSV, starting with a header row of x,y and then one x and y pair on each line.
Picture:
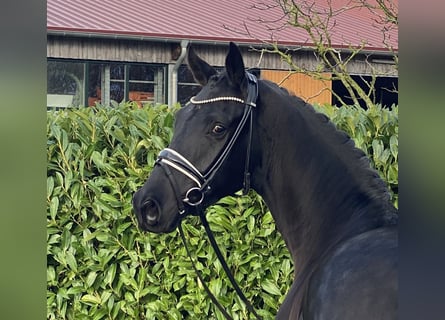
x,y
169,158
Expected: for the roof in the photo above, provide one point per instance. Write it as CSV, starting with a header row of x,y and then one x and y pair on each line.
x,y
242,21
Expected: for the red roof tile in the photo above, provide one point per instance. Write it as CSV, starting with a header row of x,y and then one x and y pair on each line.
x,y
215,21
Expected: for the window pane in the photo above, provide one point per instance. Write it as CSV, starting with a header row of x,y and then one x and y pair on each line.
x,y
143,73
117,78
117,92
185,92
117,71
187,86
94,83
146,84
184,75
106,83
65,83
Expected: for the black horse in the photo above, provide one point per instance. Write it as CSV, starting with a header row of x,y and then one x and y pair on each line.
x,y
331,208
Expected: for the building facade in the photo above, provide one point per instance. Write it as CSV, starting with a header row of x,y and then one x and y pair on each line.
x,y
90,63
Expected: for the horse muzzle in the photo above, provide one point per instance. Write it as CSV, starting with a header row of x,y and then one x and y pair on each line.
x,y
155,213
161,203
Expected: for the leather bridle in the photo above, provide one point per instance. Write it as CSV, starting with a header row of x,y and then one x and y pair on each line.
x,y
202,181
171,159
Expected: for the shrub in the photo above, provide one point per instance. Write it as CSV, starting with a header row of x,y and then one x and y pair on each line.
x,y
100,266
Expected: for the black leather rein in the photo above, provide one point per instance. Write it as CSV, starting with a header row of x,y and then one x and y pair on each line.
x,y
169,158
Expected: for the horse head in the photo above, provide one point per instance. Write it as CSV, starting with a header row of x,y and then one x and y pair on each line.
x,y
210,148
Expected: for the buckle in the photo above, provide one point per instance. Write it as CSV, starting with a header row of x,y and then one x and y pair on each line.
x,y
194,196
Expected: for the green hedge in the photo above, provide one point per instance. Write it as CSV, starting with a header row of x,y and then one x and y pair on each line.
x,y
100,266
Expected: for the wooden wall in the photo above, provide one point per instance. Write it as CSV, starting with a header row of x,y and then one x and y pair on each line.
x,y
108,49
307,88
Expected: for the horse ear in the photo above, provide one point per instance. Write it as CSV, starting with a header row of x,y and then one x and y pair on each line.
x,y
200,69
235,66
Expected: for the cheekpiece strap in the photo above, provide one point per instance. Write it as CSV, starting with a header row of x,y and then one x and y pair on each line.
x,y
252,89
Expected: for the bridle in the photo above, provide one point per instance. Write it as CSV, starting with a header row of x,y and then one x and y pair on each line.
x,y
202,181
169,158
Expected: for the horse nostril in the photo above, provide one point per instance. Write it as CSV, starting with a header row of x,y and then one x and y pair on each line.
x,y
151,210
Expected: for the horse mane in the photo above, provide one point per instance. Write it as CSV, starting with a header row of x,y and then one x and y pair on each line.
x,y
345,148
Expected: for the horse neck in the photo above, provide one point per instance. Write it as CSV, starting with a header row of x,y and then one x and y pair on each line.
x,y
318,193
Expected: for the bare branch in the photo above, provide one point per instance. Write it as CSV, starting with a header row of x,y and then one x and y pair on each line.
x,y
318,22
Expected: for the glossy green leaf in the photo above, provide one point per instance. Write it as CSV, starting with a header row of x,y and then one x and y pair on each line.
x,y
90,279
394,145
53,208
270,287
89,298
71,261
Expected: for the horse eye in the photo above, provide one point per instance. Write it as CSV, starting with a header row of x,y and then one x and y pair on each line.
x,y
218,129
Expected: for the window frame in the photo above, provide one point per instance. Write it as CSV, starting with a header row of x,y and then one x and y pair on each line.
x,y
160,85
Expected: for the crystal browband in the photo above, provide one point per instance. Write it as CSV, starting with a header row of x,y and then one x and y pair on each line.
x,y
217,99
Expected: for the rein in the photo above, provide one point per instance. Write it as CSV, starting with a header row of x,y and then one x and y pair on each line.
x,y
169,158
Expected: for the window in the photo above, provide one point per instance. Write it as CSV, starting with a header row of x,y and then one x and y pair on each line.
x,y
65,84
106,83
385,93
87,82
146,84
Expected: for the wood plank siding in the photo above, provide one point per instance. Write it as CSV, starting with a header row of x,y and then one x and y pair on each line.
x,y
104,49
108,49
307,88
